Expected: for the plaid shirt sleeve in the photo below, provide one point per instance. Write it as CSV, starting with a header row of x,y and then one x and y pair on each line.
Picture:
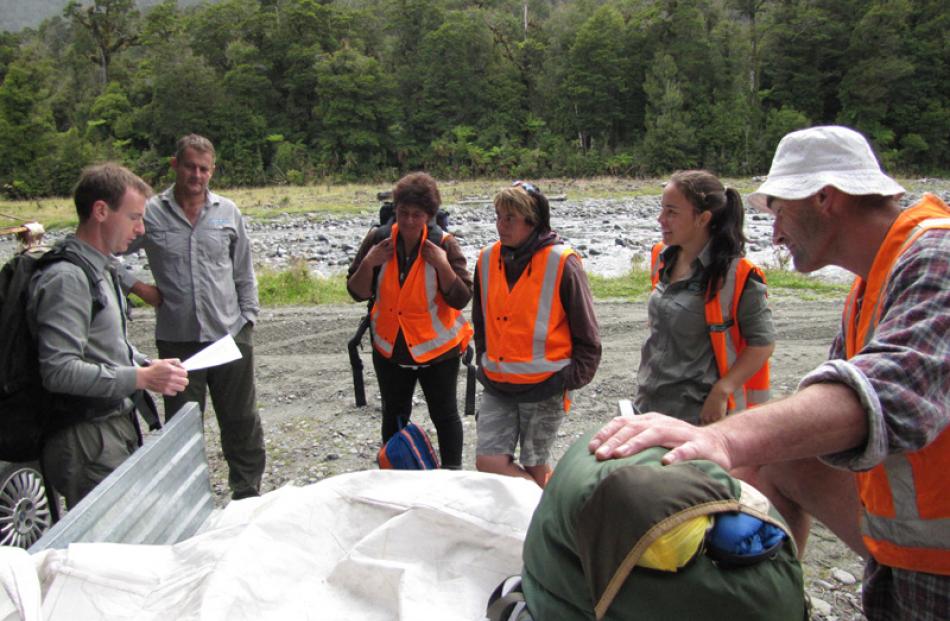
x,y
901,376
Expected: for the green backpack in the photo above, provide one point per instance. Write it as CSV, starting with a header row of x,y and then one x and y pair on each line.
x,y
597,522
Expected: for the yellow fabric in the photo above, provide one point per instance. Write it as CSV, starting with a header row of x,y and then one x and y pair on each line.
x,y
677,547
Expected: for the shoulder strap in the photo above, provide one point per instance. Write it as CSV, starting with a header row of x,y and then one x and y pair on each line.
x,y
436,234
382,232
732,285
744,269
59,253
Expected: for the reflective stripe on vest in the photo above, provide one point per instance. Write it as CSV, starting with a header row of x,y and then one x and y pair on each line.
x,y
905,520
721,312
430,326
550,350
655,264
384,346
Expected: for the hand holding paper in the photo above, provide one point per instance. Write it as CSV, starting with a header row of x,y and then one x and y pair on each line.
x,y
165,375
221,351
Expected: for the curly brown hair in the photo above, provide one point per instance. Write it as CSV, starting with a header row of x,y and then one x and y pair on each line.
x,y
420,190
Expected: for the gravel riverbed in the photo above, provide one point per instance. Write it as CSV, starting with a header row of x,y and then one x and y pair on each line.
x,y
313,429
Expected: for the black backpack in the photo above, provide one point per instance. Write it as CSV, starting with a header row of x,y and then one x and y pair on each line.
x,y
387,216
437,232
26,413
387,211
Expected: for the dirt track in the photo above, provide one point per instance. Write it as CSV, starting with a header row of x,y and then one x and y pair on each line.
x,y
313,429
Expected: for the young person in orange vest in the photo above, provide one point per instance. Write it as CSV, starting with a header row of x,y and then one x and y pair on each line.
x,y
536,335
416,274
863,445
711,331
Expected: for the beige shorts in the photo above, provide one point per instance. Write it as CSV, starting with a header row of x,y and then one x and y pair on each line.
x,y
502,423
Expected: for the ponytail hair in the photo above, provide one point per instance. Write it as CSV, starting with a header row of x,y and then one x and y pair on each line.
x,y
727,241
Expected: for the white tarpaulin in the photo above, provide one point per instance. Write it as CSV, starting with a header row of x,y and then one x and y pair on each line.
x,y
362,546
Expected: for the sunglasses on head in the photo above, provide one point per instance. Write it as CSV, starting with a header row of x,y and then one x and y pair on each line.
x,y
529,188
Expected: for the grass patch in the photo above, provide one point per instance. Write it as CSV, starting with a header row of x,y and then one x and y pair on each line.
x,y
343,199
274,201
52,213
635,285
632,286
296,286
794,281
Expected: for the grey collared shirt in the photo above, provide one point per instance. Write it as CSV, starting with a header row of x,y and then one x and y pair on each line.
x,y
677,364
80,354
205,272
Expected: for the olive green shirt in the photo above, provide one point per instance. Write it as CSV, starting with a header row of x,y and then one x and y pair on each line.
x,y
677,363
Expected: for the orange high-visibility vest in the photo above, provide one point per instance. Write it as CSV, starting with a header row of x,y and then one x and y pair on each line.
x,y
721,312
906,507
430,326
527,336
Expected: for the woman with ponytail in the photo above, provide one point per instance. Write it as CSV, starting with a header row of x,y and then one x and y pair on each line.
x,y
711,331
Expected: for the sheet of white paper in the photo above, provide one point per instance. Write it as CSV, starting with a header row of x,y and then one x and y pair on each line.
x,y
221,351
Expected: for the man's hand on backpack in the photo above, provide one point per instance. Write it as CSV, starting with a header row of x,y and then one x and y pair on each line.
x,y
166,376
627,435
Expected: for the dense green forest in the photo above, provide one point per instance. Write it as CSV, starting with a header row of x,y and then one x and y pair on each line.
x,y
19,14
295,91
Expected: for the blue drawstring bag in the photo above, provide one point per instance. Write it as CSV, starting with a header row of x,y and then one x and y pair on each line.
x,y
408,449
739,539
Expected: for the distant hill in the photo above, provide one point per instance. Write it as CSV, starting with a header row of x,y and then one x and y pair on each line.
x,y
15,15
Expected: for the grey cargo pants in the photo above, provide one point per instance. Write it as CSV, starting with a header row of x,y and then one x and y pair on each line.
x,y
234,398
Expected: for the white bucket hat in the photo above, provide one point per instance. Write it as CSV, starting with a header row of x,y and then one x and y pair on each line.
x,y
809,159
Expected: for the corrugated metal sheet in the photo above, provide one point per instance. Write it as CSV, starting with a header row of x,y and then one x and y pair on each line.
x,y
160,495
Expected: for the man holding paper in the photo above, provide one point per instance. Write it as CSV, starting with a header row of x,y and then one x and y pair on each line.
x,y
95,379
200,256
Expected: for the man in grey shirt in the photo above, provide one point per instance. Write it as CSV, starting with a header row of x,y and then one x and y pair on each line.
x,y
85,358
200,256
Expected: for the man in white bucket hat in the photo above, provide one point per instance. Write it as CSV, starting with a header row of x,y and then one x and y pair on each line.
x,y
864,444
